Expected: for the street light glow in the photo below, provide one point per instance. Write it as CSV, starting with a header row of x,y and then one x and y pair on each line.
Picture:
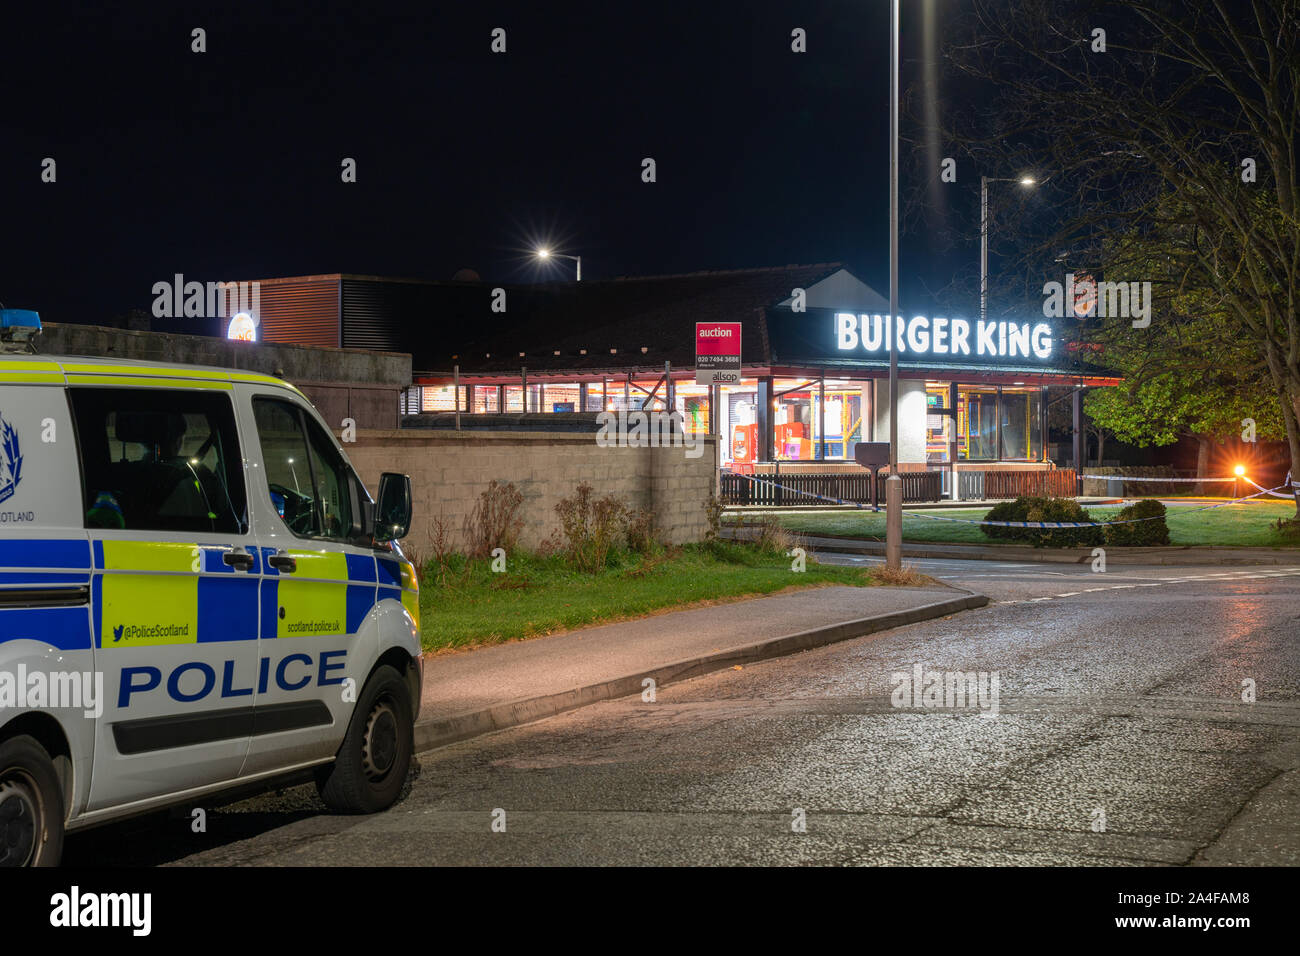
x,y
1028,181
1239,470
543,253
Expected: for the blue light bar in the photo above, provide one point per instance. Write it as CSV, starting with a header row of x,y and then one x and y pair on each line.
x,y
19,319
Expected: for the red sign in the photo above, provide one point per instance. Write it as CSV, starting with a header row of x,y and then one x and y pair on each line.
x,y
717,353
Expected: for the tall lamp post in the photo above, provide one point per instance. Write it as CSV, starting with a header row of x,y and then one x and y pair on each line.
x,y
548,254
893,484
984,233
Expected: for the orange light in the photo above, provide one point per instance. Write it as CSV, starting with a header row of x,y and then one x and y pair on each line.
x,y
1239,470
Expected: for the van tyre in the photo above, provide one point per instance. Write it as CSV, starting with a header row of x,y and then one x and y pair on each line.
x,y
31,805
371,767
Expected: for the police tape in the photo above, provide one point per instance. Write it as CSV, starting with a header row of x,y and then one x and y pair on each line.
x,y
1289,496
1008,524
1158,480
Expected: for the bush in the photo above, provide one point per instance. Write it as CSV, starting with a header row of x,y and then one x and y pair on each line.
x,y
1043,509
713,508
1152,531
590,526
767,535
495,521
1287,527
642,536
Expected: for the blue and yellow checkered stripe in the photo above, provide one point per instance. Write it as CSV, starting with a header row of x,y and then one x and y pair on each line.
x,y
147,593
54,562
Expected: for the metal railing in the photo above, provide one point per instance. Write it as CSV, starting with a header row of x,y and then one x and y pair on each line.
x,y
811,490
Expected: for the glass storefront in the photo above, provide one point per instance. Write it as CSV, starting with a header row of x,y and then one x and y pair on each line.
x,y
559,397
977,425
692,403
988,423
938,422
845,417
1021,424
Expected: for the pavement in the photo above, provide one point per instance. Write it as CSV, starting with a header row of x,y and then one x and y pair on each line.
x,y
478,691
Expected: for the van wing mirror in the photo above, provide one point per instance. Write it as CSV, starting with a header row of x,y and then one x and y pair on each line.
x,y
393,509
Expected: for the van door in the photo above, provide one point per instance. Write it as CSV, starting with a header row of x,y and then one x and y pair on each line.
x,y
44,563
318,585
174,587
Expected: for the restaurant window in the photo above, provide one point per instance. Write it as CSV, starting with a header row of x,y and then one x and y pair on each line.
x,y
739,424
514,398
844,418
977,426
692,403
486,399
440,398
792,420
595,397
640,396
1021,440
560,398
938,422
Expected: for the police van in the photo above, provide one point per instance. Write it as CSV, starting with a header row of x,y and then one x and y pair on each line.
x,y
196,594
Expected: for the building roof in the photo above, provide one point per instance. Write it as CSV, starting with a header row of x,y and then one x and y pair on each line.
x,y
617,323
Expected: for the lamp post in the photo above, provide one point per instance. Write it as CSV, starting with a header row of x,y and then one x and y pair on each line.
x,y
893,484
984,233
544,253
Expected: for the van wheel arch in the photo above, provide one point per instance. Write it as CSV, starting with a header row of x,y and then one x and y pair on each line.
x,y
47,732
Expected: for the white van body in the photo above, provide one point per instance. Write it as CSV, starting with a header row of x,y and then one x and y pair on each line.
x,y
163,541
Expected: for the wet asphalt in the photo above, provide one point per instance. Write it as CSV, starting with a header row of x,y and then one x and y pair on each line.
x,y
1121,737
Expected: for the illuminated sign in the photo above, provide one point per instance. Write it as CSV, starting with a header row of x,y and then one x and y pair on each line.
x,y
242,328
956,338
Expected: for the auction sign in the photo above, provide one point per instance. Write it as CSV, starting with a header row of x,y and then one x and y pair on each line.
x,y
717,353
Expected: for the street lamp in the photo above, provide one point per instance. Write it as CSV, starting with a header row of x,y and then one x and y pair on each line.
x,y
984,233
893,484
545,253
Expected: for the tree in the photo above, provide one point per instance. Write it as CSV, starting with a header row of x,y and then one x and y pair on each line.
x,y
1171,133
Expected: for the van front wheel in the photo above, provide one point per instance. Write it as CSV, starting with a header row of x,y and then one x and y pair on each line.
x,y
371,767
31,805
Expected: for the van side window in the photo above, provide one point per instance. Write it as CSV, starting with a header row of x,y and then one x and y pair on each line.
x,y
159,460
308,479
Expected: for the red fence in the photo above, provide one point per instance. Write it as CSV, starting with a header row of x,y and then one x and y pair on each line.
x,y
1057,483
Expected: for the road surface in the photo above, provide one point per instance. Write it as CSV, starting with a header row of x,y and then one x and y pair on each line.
x,y
1121,737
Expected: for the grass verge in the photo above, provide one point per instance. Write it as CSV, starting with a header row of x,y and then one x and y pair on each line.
x,y
1241,525
472,605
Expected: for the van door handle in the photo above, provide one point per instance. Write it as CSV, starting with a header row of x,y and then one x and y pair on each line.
x,y
283,563
241,560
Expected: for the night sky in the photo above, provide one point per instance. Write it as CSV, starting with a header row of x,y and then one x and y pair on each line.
x,y
226,164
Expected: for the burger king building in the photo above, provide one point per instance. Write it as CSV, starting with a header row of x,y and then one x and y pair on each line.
x,y
973,395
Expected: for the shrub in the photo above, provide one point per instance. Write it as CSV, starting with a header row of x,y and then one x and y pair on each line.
x,y
713,509
642,536
590,526
772,537
1287,527
1152,531
1006,511
1043,509
433,560
495,521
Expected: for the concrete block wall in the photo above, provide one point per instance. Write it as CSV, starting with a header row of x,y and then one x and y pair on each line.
x,y
449,470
